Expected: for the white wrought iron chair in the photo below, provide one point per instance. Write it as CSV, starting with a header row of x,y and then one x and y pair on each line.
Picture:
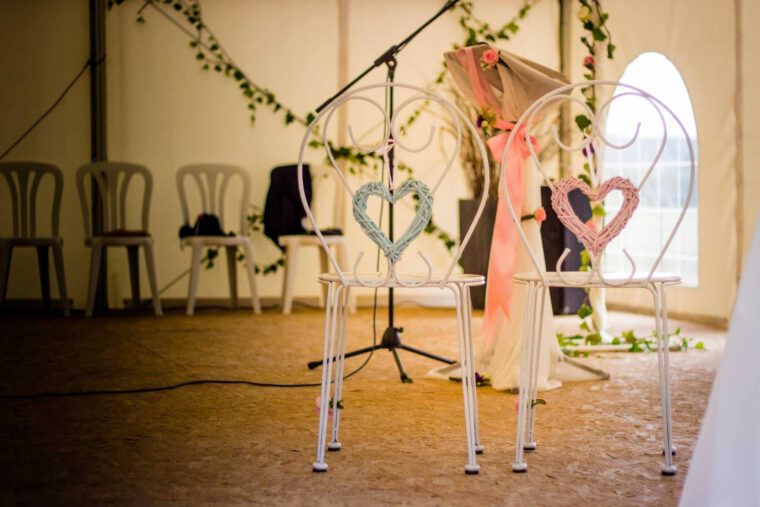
x,y
24,213
213,181
292,243
340,283
112,180
537,283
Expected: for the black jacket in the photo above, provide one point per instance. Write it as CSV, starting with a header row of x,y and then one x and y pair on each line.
x,y
283,210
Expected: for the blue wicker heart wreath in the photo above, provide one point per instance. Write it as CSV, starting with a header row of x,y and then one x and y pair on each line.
x,y
393,251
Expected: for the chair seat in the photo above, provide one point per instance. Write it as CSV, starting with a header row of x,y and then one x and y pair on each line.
x,y
31,241
373,278
215,240
120,233
576,278
309,239
120,239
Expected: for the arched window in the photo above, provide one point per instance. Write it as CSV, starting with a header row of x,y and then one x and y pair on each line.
x,y
664,194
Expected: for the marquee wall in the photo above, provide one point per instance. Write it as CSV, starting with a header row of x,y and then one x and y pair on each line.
x,y
164,111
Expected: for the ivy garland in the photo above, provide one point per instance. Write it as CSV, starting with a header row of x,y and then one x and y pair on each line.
x,y
210,52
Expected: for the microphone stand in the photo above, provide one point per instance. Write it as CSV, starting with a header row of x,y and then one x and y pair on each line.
x,y
391,339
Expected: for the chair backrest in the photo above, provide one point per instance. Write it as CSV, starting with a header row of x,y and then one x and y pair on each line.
x,y
595,141
324,189
24,196
393,142
213,181
112,181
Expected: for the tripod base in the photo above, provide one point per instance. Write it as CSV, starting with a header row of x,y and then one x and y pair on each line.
x,y
392,341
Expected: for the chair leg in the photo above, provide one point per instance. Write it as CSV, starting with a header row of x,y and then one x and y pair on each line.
x,y
467,376
467,313
195,271
97,253
61,278
324,267
540,295
250,267
134,274
667,368
232,275
662,362
5,263
43,261
327,362
519,465
289,280
334,444
150,264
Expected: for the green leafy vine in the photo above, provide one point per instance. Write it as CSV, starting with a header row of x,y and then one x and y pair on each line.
x,y
594,21
208,50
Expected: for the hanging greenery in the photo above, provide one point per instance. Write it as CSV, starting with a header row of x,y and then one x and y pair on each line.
x,y
187,16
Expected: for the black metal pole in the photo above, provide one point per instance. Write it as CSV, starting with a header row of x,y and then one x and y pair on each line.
x,y
391,77
98,126
391,339
389,55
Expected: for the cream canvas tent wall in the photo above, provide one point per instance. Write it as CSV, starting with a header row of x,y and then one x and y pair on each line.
x,y
164,111
711,46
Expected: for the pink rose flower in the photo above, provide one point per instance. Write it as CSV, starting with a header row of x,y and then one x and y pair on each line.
x,y
539,214
592,225
491,56
318,406
589,60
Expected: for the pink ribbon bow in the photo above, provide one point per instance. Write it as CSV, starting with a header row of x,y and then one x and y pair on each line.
x,y
506,238
505,242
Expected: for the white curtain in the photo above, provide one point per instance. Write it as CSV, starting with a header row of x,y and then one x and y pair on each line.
x,y
725,468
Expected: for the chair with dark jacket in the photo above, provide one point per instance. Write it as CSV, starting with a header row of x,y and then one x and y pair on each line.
x,y
284,222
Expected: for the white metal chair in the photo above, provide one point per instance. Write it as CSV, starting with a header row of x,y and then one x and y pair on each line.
x,y
340,283
213,181
537,283
292,243
112,180
24,204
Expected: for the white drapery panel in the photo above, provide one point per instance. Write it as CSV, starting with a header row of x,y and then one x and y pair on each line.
x,y
749,107
726,463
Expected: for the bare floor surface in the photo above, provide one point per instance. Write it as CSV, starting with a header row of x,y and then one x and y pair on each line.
x,y
598,442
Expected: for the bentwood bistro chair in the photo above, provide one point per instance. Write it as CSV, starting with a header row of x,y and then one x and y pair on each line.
x,y
24,203
344,278
537,283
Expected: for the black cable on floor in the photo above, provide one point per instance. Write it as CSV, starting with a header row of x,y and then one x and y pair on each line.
x,y
190,382
193,382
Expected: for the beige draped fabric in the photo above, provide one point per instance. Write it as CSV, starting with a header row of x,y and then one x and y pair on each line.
x,y
507,88
514,83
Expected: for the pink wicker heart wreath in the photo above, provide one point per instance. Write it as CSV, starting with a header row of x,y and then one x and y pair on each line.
x,y
595,242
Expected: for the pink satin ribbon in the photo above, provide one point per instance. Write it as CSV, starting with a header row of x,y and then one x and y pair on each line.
x,y
505,242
